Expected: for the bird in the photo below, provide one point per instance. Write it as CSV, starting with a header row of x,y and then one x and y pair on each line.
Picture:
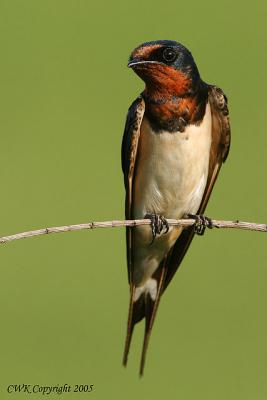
x,y
176,137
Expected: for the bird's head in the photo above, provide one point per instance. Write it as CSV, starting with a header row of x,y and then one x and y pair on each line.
x,y
167,67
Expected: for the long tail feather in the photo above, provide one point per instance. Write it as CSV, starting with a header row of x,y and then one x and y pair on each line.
x,y
135,314
129,333
151,308
144,307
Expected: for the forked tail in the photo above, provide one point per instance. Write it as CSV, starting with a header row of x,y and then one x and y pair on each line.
x,y
144,302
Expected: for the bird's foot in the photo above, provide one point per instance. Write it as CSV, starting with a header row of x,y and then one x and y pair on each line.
x,y
202,222
159,224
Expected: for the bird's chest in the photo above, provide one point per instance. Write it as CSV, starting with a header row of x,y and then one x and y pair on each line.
x,y
171,169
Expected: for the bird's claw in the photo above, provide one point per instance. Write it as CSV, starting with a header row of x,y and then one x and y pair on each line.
x,y
202,222
159,225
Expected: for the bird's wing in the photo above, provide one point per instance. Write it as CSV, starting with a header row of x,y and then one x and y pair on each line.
x,y
128,157
144,306
218,153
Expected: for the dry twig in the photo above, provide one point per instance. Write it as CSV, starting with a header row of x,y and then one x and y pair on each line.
x,y
136,222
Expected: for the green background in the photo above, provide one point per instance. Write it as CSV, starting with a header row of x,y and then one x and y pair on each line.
x,y
64,94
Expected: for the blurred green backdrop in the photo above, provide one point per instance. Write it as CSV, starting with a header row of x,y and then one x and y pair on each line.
x,y
65,90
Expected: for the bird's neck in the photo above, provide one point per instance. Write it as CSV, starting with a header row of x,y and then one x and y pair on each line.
x,y
173,110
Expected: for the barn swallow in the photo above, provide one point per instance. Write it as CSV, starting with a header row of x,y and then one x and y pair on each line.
x,y
176,137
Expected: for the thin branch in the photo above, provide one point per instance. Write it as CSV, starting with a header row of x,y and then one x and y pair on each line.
x,y
251,226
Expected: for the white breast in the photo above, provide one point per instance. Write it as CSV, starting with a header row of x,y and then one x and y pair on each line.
x,y
170,178
172,169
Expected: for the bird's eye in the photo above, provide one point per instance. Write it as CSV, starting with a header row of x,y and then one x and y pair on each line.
x,y
169,55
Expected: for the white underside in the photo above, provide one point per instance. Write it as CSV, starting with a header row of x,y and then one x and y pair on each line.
x,y
170,179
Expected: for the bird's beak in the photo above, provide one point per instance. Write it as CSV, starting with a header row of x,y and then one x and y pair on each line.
x,y
136,62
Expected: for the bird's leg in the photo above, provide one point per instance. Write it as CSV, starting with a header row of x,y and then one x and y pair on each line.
x,y
158,223
202,222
